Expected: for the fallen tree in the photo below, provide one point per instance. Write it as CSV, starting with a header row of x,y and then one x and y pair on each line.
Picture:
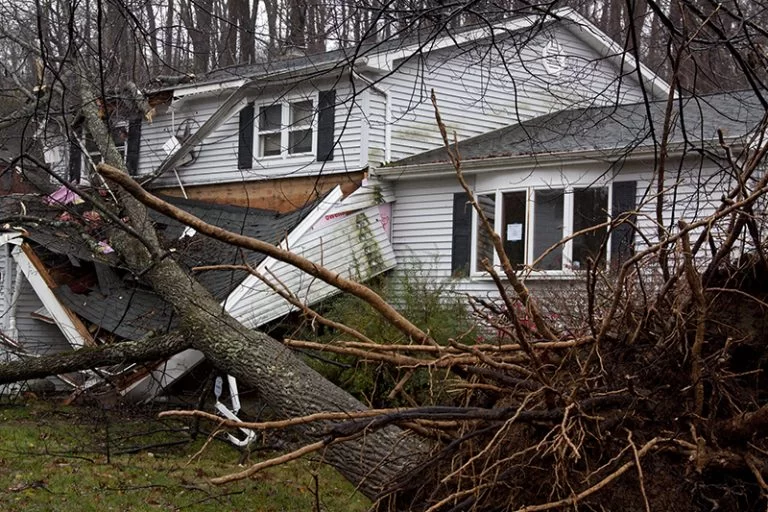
x,y
370,460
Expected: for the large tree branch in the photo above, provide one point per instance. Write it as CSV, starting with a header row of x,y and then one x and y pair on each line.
x,y
148,349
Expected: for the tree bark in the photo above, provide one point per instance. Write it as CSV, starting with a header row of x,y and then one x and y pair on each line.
x,y
282,380
150,349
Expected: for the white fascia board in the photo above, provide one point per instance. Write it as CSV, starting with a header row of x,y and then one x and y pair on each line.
x,y
191,90
232,104
49,300
162,376
292,239
611,50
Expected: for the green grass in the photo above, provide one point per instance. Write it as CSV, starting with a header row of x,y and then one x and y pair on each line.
x,y
55,458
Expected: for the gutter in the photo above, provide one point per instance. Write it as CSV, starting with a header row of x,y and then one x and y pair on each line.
x,y
529,162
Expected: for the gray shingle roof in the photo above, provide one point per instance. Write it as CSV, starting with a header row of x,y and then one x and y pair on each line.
x,y
424,37
197,251
612,129
129,312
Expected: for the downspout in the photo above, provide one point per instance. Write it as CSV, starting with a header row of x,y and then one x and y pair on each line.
x,y
387,114
387,127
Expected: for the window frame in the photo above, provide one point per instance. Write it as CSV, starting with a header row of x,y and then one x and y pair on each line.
x,y
286,128
566,269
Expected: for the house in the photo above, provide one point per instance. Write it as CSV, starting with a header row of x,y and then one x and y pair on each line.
x,y
301,135
544,179
278,135
64,287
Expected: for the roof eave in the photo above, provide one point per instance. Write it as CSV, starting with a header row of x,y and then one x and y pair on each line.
x,y
525,162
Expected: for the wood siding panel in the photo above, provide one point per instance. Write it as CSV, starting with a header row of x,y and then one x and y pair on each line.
x,y
283,195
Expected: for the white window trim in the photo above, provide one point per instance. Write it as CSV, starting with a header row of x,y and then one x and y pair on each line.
x,y
285,129
568,204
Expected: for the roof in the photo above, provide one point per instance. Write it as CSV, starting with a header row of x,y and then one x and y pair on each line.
x,y
196,251
611,129
425,40
381,54
108,296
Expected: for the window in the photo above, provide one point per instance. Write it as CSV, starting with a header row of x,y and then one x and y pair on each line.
x,y
590,207
286,126
127,139
270,122
532,221
300,127
288,129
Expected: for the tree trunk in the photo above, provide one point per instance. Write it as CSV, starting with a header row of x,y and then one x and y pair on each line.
x,y
282,380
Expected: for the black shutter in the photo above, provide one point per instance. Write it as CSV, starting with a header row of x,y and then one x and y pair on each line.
x,y
461,242
623,236
245,139
75,160
326,120
133,147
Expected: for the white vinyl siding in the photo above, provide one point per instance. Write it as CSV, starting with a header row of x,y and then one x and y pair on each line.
x,y
217,160
355,246
480,90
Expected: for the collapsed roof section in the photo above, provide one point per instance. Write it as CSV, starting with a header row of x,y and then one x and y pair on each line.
x,y
94,299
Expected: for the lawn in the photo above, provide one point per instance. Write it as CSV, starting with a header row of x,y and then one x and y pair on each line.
x,y
55,457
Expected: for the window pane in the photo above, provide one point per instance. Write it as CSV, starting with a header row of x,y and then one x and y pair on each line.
x,y
548,228
513,227
270,117
590,207
484,244
269,144
300,141
301,112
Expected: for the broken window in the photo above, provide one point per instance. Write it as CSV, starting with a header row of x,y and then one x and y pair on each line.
x,y
119,137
